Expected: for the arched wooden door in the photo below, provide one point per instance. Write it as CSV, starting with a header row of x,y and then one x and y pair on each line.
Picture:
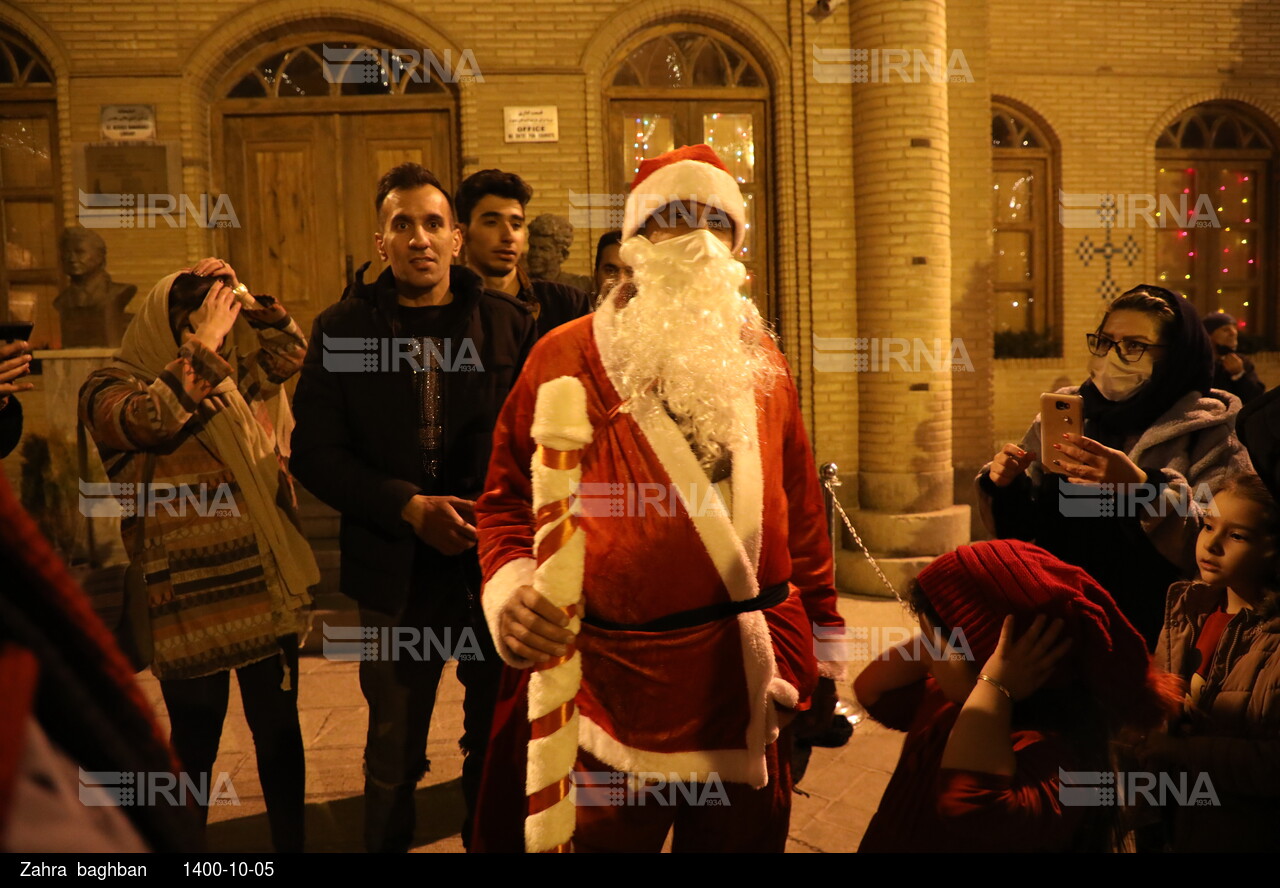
x,y
307,129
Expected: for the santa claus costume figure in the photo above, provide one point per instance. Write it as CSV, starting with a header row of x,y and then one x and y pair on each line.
x,y
706,565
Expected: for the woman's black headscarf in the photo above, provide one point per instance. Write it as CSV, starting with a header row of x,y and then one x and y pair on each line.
x,y
1184,365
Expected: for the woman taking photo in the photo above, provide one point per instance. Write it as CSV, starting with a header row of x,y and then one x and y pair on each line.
x,y
192,401
1154,429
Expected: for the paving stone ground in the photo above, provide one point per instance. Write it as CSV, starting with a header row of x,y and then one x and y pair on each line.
x,y
839,794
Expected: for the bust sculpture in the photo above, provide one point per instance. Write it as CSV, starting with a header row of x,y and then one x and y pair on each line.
x,y
550,238
92,309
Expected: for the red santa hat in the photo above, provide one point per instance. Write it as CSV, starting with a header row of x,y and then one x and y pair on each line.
x,y
684,176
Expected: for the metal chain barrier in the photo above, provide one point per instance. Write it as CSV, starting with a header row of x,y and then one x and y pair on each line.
x,y
829,473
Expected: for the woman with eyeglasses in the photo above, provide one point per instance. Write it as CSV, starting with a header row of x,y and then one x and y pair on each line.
x,y
1158,438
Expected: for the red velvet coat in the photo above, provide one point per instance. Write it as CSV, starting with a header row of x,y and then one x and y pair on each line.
x,y
692,701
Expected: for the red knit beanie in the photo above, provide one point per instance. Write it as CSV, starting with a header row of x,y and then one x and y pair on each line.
x,y
975,587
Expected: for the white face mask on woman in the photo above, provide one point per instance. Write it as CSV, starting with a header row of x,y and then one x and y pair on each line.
x,y
1118,381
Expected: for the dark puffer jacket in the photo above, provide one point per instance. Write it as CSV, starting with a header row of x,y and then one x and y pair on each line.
x,y
356,444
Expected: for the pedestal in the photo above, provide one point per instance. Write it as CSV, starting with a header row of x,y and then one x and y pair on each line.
x,y
51,410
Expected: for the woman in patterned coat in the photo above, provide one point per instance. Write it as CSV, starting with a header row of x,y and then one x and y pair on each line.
x,y
191,411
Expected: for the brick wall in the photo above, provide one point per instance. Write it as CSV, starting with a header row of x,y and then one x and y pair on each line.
x,y
1107,77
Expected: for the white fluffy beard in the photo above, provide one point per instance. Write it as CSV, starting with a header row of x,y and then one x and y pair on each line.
x,y
689,336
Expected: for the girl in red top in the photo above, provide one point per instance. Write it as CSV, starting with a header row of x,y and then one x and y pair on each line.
x,y
1025,669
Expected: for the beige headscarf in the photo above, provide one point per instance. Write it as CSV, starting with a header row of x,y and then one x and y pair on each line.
x,y
245,445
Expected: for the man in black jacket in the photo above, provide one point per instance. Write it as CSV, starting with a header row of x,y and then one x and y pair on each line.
x,y
395,411
491,215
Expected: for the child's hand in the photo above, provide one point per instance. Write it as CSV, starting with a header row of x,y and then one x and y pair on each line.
x,y
1024,665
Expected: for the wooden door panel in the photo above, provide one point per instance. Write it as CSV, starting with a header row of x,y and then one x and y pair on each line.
x,y
303,186
371,145
279,175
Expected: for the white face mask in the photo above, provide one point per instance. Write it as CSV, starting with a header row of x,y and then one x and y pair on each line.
x,y
693,246
1118,381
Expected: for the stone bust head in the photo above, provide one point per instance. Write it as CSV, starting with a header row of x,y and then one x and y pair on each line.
x,y
91,310
83,252
550,238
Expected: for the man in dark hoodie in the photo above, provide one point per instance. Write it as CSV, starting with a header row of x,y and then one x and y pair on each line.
x,y
395,412
1232,371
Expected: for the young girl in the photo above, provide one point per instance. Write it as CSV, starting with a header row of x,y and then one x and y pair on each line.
x,y
1044,670
1222,636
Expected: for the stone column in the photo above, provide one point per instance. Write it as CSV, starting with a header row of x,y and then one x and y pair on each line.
x,y
902,177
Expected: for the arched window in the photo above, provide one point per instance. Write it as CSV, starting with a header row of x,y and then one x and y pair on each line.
x,y
1217,238
682,85
1025,274
343,68
30,196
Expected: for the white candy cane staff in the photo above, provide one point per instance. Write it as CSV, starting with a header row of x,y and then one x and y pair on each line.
x,y
562,430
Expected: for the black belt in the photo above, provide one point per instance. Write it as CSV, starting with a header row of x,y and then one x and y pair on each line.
x,y
698,615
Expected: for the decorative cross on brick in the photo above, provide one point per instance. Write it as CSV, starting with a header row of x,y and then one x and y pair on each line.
x,y
1128,250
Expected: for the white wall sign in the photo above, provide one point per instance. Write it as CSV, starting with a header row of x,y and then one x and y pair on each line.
x,y
541,124
128,123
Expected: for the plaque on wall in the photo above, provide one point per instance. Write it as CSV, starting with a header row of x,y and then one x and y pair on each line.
x,y
128,123
532,124
127,184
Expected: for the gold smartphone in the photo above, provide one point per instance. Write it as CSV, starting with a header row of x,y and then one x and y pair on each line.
x,y
1059,414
